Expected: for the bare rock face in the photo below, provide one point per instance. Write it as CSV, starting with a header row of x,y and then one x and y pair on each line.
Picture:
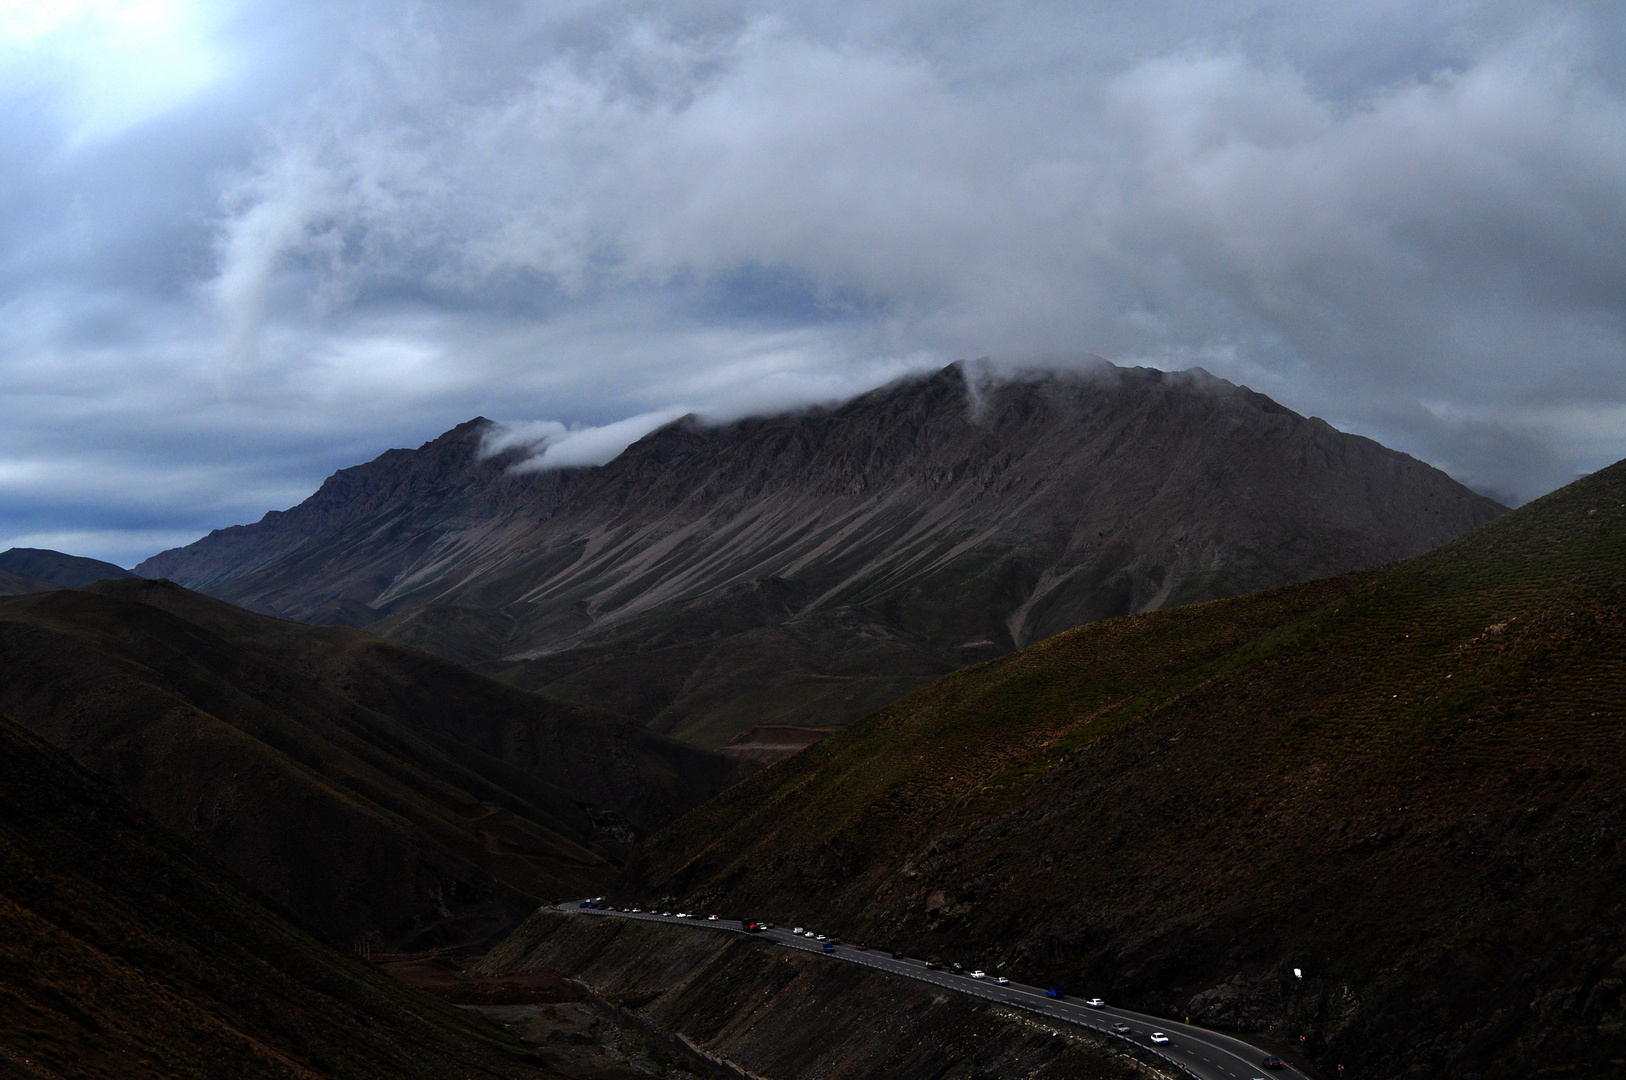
x,y
806,569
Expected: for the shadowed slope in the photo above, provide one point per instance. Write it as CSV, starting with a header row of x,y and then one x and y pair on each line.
x,y
124,955
55,568
371,790
1409,782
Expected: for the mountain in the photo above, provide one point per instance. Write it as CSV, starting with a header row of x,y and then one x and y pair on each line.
x,y
55,568
125,954
405,517
372,791
1385,811
806,569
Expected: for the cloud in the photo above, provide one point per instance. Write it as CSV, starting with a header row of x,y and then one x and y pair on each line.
x,y
327,232
552,445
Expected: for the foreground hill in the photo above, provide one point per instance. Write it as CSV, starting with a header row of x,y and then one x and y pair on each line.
x,y
125,955
372,791
1409,784
806,569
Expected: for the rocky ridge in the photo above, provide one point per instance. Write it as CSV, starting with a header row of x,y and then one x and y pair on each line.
x,y
808,568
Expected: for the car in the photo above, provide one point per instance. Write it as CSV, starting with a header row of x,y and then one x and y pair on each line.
x,y
979,974
636,910
830,946
820,937
1096,1003
1274,1063
711,918
958,969
934,965
897,954
1003,981
683,915
1122,1029
1158,1037
796,929
1057,992
860,945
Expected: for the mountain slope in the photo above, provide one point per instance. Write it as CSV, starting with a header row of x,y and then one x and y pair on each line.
x,y
402,516
125,955
805,569
55,568
19,585
372,791
1408,783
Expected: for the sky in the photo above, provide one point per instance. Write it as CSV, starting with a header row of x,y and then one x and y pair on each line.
x,y
244,244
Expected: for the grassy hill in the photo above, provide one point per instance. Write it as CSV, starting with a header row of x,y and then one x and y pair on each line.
x,y
372,791
1409,783
125,955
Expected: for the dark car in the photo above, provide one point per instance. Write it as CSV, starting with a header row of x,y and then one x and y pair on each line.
x,y
934,965
860,945
1057,992
829,946
897,954
958,969
1274,1063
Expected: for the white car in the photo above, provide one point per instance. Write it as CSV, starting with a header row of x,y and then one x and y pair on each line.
x,y
796,929
683,914
820,937
1096,1003
979,974
1003,981
1159,1037
711,918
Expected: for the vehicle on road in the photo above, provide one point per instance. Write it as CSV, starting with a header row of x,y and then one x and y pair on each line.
x,y
1057,992
934,965
979,974
1003,981
820,937
897,954
796,929
1122,1029
830,946
1274,1063
711,918
751,926
1159,1037
860,945
1096,1003
958,969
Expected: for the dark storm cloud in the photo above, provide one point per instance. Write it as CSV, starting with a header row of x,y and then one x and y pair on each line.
x,y
248,243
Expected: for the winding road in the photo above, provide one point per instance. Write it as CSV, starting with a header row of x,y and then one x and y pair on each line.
x,y
1201,1053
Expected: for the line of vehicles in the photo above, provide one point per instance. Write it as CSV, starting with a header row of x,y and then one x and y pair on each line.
x,y
756,926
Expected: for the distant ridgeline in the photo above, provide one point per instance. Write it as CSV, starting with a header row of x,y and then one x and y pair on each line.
x,y
807,569
31,570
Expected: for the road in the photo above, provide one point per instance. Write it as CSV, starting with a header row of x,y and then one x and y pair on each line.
x,y
1204,1054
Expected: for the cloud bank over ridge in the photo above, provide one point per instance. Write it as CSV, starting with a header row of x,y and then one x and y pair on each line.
x,y
336,235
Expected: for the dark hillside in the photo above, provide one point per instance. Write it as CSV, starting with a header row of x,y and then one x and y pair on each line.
x,y
18,585
1410,783
124,955
338,774
55,568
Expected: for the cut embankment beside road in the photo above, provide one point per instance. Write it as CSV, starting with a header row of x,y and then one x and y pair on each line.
x,y
779,1013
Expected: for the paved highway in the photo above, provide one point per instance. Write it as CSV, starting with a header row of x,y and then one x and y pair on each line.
x,y
1204,1054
